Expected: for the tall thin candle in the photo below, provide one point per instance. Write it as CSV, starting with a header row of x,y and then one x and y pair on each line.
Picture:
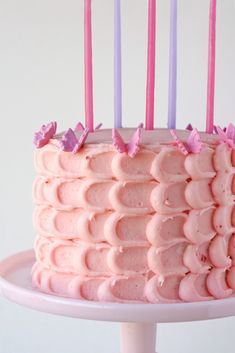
x,y
151,65
172,98
117,65
88,65
211,68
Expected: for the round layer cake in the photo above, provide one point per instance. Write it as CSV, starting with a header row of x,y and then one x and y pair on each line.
x,y
135,216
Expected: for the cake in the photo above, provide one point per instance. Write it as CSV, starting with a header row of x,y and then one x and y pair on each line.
x,y
135,215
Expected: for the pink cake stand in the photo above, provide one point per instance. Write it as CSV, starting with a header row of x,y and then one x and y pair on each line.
x,y
138,321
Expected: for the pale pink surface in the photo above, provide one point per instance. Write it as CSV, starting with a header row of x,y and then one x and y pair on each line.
x,y
169,165
218,252
116,288
91,259
217,284
139,168
94,194
15,286
222,188
158,290
165,230
196,258
231,249
199,226
168,260
200,165
193,287
160,222
98,162
223,158
126,229
231,278
198,194
170,198
224,219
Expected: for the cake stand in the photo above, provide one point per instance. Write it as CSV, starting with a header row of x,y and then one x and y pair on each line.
x,y
138,321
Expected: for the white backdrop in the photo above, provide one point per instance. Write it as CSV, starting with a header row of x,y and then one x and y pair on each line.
x,y
41,79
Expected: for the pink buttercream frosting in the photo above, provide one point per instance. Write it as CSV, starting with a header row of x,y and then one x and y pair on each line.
x,y
196,258
157,226
199,225
201,165
193,287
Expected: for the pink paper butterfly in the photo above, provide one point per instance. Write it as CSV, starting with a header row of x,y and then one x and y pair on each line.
x,y
216,129
42,137
80,127
70,143
132,147
98,126
192,145
227,136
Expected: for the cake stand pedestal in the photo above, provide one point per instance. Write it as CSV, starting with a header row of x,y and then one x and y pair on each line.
x,y
138,321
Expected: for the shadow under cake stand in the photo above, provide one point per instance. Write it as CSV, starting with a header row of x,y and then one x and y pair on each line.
x,y
138,321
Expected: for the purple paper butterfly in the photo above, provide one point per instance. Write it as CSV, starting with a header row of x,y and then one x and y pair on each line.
x,y
42,137
70,143
189,127
227,136
192,145
132,147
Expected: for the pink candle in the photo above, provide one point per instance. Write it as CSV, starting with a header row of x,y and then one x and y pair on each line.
x,y
151,65
172,98
211,68
88,65
117,65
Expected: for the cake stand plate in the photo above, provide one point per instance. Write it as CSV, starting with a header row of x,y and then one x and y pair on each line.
x,y
138,321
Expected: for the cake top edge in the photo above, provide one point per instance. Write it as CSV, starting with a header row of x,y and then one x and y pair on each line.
x,y
129,139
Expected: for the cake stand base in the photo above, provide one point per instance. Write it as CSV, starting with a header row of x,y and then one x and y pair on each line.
x,y
138,321
138,337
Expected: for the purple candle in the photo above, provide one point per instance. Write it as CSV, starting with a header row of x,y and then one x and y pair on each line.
x,y
172,67
117,66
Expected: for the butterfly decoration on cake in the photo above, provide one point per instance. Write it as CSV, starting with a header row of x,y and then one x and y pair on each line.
x,y
42,137
70,143
192,145
189,127
227,135
80,127
216,129
132,147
